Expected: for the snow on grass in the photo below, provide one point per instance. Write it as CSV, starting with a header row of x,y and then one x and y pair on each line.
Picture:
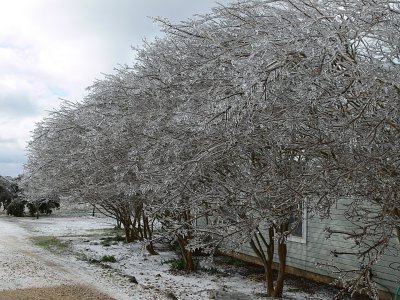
x,y
67,226
86,239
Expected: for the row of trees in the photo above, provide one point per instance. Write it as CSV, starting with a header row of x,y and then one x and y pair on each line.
x,y
13,200
224,126
8,191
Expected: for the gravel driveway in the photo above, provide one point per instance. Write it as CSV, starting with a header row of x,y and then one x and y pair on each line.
x,y
23,266
64,292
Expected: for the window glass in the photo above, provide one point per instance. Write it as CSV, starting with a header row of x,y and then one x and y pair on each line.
x,y
299,233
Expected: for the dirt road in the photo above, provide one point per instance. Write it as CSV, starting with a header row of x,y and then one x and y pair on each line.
x,y
23,266
64,292
29,272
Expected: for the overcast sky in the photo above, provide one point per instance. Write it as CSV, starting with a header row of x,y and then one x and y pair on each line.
x,y
52,49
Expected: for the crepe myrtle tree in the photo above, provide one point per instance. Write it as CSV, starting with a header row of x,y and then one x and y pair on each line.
x,y
254,195
142,143
312,68
163,172
113,174
179,85
352,99
202,90
355,101
64,155
372,182
281,87
54,141
198,90
56,153
363,118
116,142
231,89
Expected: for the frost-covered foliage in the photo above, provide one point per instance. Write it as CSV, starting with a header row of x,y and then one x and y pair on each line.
x,y
223,128
8,190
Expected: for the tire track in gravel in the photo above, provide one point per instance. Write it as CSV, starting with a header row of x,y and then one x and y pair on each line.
x,y
26,267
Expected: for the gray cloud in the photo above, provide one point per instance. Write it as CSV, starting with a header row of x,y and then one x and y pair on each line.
x,y
10,169
11,158
11,154
125,23
17,104
53,49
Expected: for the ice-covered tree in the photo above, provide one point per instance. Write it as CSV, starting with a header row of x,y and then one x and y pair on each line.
x,y
317,73
236,117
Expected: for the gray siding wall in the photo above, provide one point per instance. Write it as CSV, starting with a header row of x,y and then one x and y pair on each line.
x,y
315,254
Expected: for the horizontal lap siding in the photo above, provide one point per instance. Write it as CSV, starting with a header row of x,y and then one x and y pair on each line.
x,y
318,250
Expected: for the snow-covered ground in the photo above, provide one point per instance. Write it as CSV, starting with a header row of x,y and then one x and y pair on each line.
x,y
81,262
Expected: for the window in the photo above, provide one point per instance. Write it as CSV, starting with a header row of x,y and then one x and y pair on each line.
x,y
299,234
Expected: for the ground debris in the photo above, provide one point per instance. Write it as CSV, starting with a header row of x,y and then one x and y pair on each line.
x,y
64,292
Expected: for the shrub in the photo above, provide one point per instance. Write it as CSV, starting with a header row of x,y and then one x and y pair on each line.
x,y
108,258
228,260
177,264
107,241
16,208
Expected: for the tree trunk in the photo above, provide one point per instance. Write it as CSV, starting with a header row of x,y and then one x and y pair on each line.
x,y
128,234
150,249
148,232
119,224
186,254
396,213
129,231
269,278
282,252
265,251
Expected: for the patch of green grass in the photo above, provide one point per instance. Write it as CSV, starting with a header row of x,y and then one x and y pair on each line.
x,y
262,295
171,295
177,264
115,230
112,240
108,230
108,258
50,243
92,260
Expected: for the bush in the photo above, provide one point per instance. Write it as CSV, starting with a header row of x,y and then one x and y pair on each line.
x,y
108,258
177,264
228,260
112,240
31,208
16,208
44,206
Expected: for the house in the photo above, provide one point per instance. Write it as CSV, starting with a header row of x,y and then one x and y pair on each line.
x,y
310,253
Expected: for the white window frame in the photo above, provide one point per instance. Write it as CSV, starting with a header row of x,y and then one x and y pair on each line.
x,y
303,238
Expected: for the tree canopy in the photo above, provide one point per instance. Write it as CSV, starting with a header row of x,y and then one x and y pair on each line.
x,y
236,117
